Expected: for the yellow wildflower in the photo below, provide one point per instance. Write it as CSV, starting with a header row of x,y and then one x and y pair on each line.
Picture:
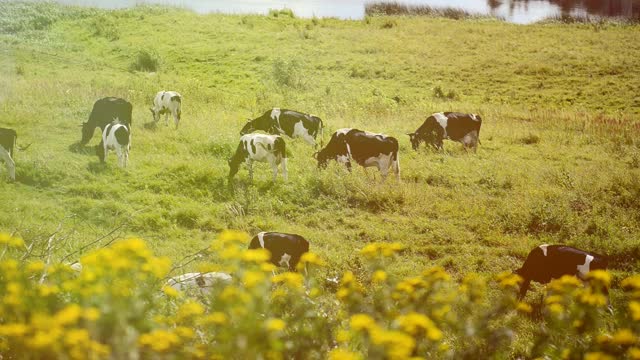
x,y
267,267
600,277
379,276
553,299
257,256
274,325
593,299
309,258
91,314
508,279
362,322
233,237
75,337
343,336
634,310
634,353
68,315
185,332
170,292
524,307
189,309
217,318
159,340
556,308
35,266
598,356
436,273
341,354
293,280
13,329
624,337
251,279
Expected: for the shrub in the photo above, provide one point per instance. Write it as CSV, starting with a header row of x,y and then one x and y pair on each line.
x,y
105,27
529,139
146,61
282,13
289,73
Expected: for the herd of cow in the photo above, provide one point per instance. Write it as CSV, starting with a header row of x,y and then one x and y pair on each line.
x,y
113,117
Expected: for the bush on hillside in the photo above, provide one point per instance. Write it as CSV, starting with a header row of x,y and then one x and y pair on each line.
x,y
146,60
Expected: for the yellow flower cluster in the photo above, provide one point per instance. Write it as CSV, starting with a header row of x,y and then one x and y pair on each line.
x,y
509,280
396,344
415,323
375,250
10,241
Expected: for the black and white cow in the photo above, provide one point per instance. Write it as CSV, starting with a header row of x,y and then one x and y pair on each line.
x,y
367,149
198,282
8,139
294,124
262,148
167,102
103,113
547,262
464,128
285,249
115,136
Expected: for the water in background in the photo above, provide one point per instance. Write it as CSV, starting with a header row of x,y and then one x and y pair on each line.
x,y
517,11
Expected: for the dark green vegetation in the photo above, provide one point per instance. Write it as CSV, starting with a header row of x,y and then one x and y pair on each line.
x,y
559,160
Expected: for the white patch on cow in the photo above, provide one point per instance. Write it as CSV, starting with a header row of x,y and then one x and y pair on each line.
x,y
473,116
284,260
383,162
342,159
343,131
261,239
300,131
544,249
202,282
77,267
442,120
584,268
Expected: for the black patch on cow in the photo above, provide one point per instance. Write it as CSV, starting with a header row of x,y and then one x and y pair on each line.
x,y
176,98
122,135
279,244
279,147
364,146
336,146
238,158
459,125
253,147
200,281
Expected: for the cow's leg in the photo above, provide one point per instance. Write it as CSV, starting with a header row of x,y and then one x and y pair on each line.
x,y
166,118
284,169
524,287
106,152
274,167
120,156
396,166
126,155
309,140
250,167
11,165
176,118
348,165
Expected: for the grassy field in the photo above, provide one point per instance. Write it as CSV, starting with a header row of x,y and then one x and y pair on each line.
x,y
559,160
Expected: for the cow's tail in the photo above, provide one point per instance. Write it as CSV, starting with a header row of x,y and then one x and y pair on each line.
x,y
479,125
280,147
321,124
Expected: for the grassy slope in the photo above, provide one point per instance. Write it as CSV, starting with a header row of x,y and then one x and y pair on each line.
x,y
578,185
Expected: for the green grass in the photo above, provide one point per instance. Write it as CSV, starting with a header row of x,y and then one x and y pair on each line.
x,y
558,163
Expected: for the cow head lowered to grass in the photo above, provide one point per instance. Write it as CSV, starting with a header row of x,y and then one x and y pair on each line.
x,y
463,128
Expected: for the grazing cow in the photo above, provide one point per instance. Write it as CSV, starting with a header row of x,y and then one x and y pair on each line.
x,y
285,249
167,102
104,111
7,142
547,262
115,136
464,128
203,282
367,149
259,147
287,122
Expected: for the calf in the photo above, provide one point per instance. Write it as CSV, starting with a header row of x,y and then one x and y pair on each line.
x,y
285,249
167,102
367,149
464,128
203,282
259,147
547,262
8,139
294,124
115,136
103,113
